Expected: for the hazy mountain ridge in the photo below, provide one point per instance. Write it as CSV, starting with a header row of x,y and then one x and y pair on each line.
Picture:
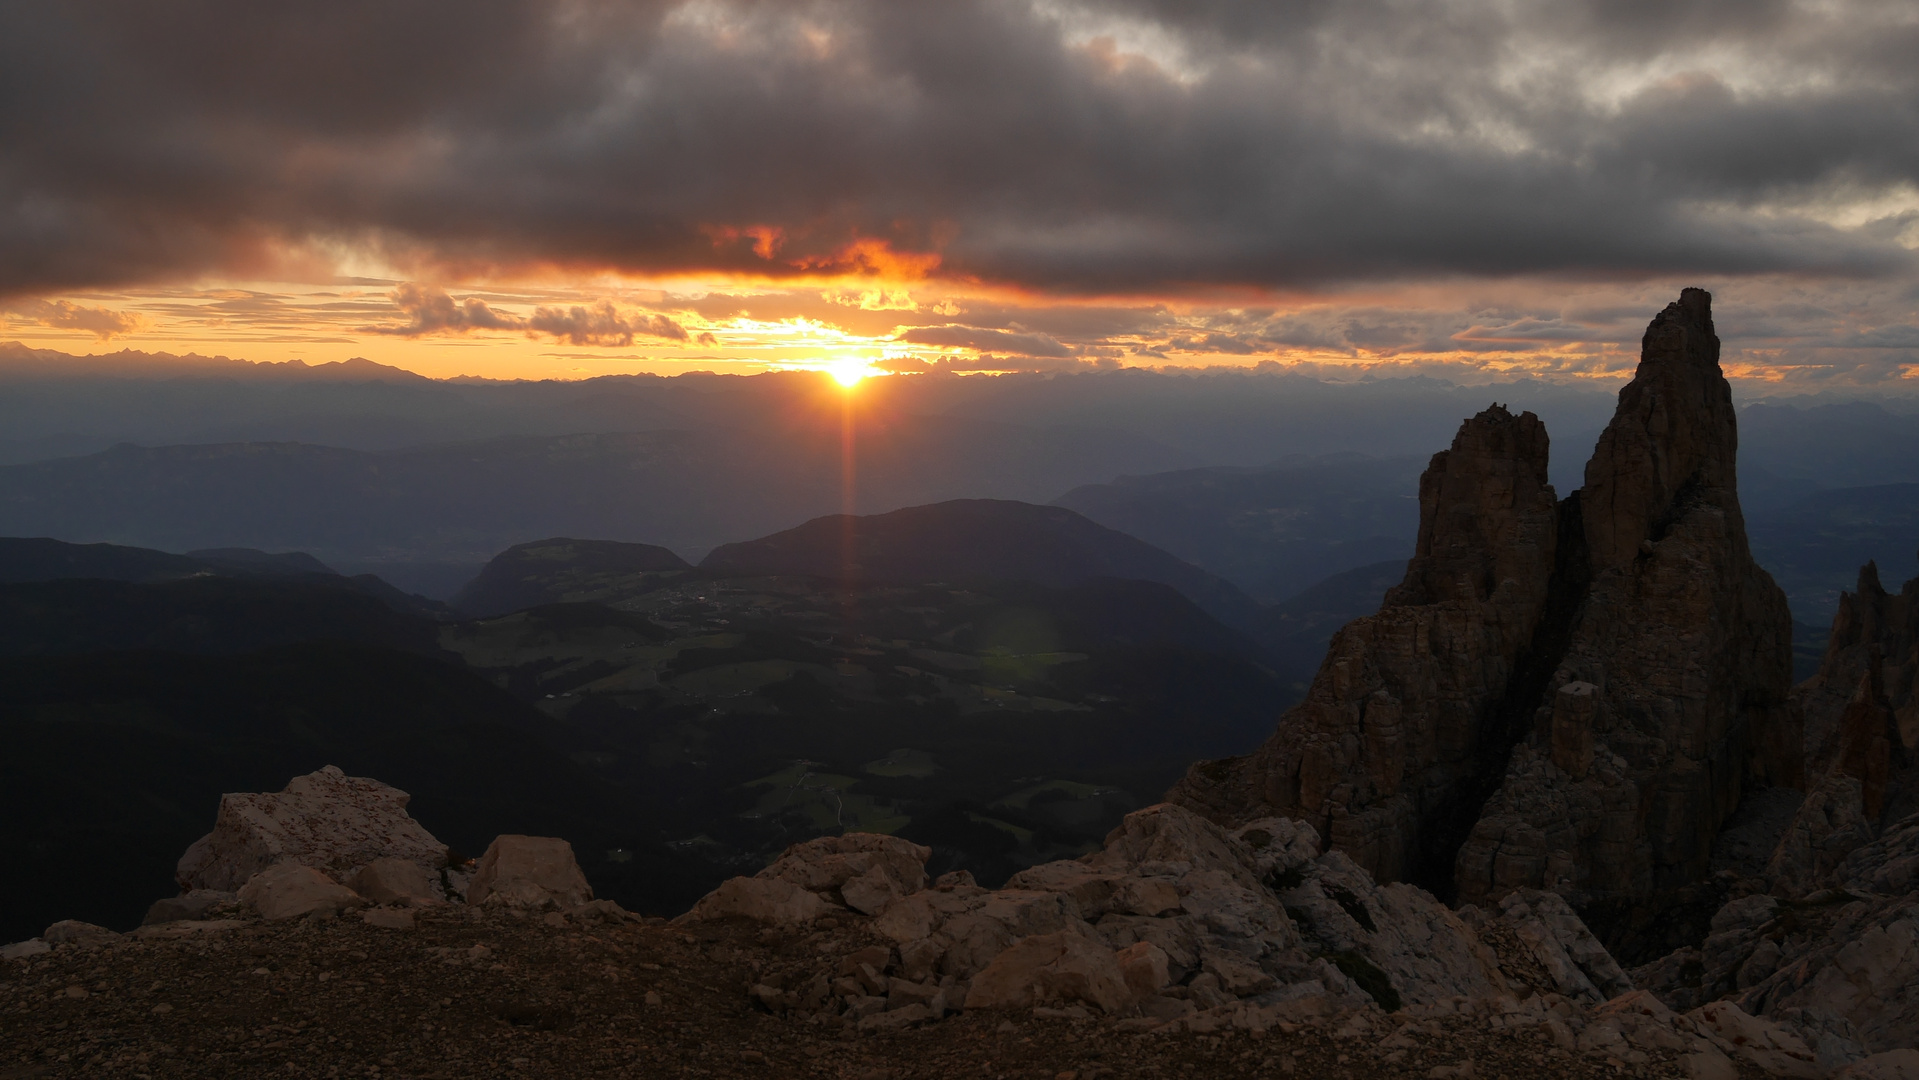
x,y
976,539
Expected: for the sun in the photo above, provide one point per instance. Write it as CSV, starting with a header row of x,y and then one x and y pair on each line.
x,y
850,371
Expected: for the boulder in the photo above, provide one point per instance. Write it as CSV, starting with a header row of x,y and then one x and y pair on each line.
x,y
73,931
398,881
196,904
288,890
529,873
774,902
325,820
1045,968
1143,965
21,950
863,871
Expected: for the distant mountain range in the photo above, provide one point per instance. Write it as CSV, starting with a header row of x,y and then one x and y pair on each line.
x,y
1273,531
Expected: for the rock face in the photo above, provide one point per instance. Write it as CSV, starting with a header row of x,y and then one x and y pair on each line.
x,y
1684,640
1173,916
1822,935
1568,696
1398,738
326,820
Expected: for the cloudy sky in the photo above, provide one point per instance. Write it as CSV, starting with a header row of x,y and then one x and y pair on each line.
x,y
1473,187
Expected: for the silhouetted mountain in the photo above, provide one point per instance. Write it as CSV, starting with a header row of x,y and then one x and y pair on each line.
x,y
44,559
201,615
24,559
1272,531
976,540
563,570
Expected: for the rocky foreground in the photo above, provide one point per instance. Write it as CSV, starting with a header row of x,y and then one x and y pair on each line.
x,y
467,994
1179,947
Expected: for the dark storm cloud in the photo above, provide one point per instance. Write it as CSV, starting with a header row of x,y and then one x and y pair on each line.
x,y
1053,145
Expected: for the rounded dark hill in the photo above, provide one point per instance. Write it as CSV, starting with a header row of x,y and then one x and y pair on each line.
x,y
41,558
976,540
564,570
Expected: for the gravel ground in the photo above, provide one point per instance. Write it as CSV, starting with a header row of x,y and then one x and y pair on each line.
x,y
479,995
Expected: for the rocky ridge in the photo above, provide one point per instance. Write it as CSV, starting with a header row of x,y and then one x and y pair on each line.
x,y
1564,694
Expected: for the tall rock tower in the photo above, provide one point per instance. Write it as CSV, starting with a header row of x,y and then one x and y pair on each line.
x,y
1673,690
1565,695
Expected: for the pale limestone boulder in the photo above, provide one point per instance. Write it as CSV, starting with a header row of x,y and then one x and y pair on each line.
x,y
1425,951
73,931
398,881
864,871
1280,847
326,820
21,950
1061,967
288,890
1561,943
529,873
770,901
1144,967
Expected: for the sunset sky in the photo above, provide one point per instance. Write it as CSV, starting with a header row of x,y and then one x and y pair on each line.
x,y
562,189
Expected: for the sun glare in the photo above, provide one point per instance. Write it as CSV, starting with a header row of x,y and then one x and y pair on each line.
x,y
849,372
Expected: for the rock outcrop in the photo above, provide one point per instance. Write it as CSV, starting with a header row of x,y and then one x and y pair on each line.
x,y
529,873
1684,640
1565,696
1173,918
1823,936
1400,737
326,820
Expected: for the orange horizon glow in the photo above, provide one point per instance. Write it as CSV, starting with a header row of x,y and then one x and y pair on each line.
x,y
857,326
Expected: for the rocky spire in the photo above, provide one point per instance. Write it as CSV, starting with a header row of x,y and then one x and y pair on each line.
x,y
1673,438
1391,749
1585,688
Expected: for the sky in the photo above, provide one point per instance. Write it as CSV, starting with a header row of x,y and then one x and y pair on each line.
x,y
1473,189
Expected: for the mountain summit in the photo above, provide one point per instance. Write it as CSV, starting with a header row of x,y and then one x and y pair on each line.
x,y
1564,694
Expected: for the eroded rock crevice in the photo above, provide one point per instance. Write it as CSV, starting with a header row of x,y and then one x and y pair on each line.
x,y
1515,714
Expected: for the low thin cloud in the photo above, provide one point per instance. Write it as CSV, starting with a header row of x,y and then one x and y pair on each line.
x,y
602,324
431,311
103,323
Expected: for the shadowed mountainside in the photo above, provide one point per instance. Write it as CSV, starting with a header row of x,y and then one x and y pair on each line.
x,y
975,540
563,570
